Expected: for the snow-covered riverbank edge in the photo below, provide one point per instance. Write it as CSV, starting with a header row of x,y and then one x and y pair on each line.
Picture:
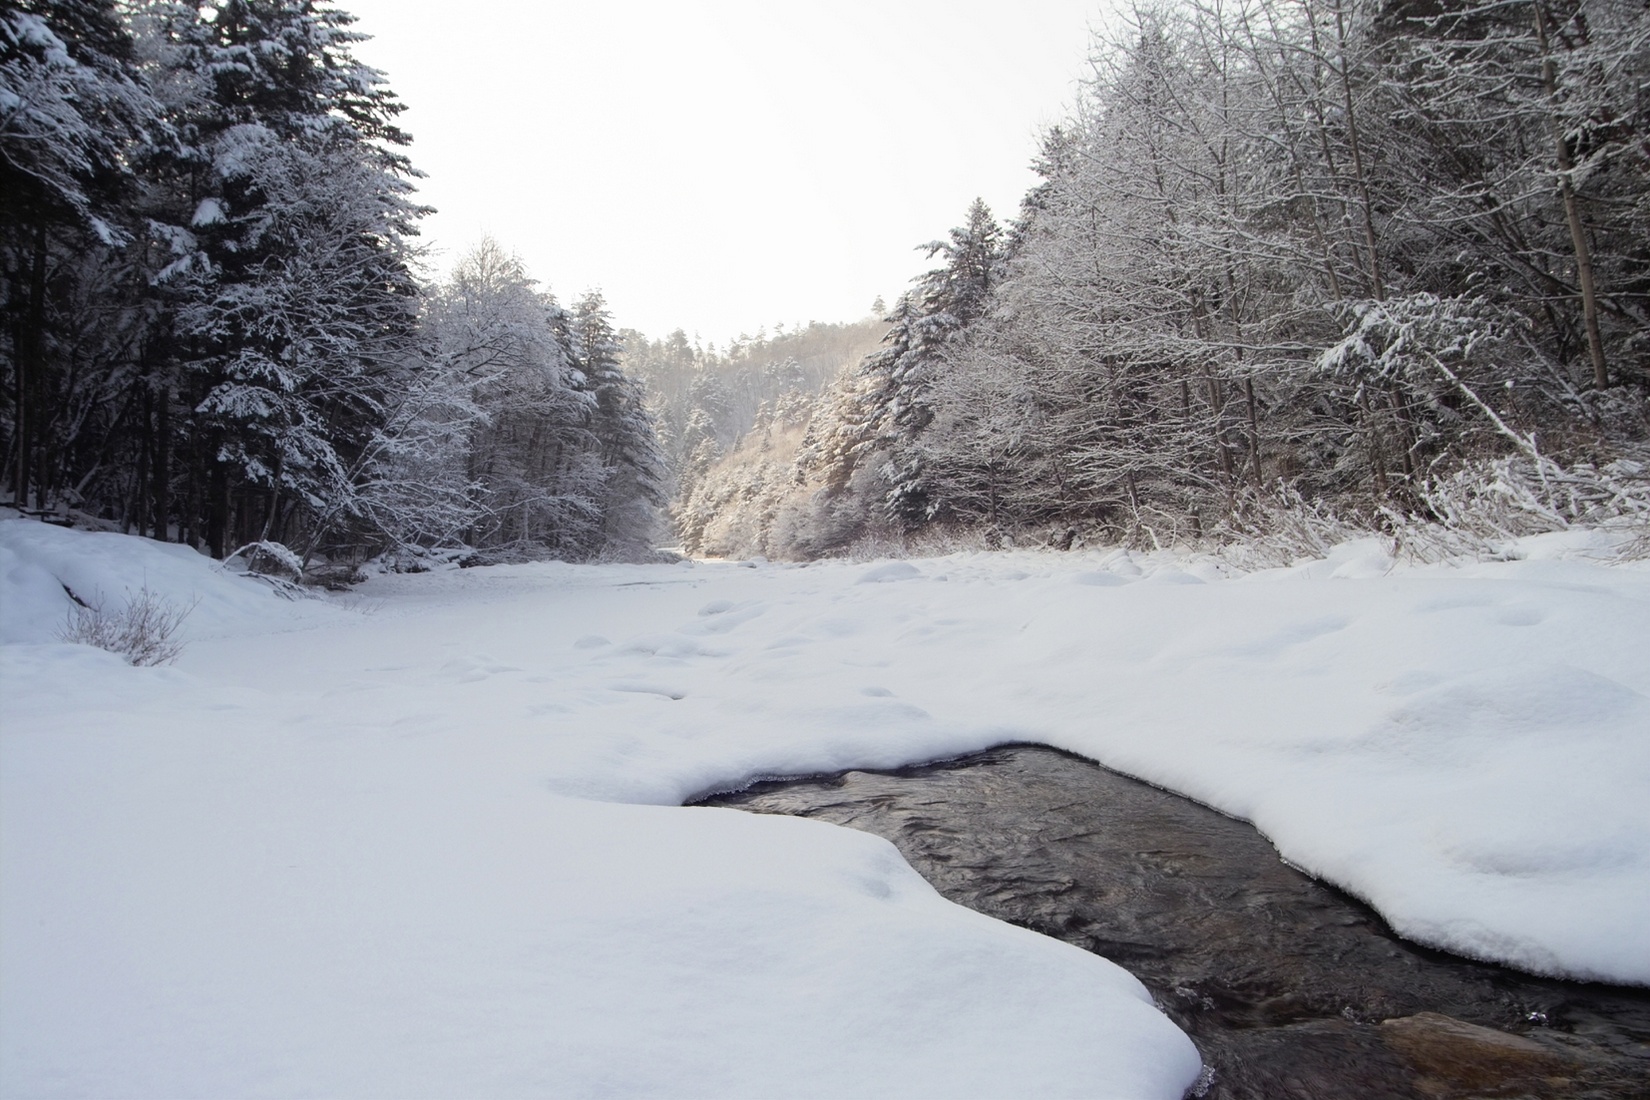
x,y
427,838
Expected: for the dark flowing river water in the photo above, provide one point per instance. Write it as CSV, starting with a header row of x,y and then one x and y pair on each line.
x,y
1290,988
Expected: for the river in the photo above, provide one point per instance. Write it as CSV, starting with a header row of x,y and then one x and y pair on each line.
x,y
1289,987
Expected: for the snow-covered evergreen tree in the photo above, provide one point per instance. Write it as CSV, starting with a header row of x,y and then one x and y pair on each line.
x,y
297,306
637,477
75,116
891,406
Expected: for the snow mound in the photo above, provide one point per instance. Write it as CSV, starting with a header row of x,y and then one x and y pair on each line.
x,y
333,859
41,564
893,571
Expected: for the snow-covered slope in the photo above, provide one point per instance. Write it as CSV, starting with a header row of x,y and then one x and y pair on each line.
x,y
41,564
432,843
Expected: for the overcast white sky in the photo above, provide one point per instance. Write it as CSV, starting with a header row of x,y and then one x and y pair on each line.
x,y
719,165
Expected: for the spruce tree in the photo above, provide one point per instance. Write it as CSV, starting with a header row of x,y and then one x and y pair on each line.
x,y
894,406
297,306
637,478
75,115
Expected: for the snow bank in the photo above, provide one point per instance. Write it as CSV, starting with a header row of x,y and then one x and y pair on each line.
x,y
40,565
334,861
436,845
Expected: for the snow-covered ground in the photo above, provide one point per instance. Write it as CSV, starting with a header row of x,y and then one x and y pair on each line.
x,y
426,838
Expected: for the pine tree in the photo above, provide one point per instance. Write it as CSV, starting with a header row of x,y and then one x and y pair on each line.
x,y
297,305
636,484
75,114
893,399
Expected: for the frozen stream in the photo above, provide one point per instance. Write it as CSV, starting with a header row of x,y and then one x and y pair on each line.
x,y
1289,988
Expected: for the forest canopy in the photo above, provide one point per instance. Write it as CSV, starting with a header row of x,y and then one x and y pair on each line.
x,y
1293,270
217,329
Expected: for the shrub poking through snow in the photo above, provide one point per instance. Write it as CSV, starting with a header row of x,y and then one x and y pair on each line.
x,y
266,559
144,631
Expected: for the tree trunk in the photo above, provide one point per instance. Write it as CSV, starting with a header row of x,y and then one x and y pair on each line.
x,y
274,503
1377,463
163,470
1572,212
1254,431
30,368
139,512
217,510
1376,286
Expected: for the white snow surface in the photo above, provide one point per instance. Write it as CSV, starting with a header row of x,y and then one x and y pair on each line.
x,y
426,838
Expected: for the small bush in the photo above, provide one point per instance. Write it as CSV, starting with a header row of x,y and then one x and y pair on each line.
x,y
143,631
266,559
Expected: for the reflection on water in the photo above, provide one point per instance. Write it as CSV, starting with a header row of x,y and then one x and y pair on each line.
x,y
1289,987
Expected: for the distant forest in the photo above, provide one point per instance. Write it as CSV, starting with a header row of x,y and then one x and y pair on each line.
x,y
1294,271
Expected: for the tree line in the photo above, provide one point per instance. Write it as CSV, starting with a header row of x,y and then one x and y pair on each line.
x,y
709,402
731,419
215,327
1386,260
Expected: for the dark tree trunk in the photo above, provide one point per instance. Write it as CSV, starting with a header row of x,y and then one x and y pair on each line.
x,y
1572,211
138,515
217,509
30,367
163,468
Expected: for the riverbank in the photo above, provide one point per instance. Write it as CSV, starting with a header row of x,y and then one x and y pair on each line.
x,y
428,836
1288,987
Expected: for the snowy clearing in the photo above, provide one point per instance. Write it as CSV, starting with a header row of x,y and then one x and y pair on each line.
x,y
427,837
